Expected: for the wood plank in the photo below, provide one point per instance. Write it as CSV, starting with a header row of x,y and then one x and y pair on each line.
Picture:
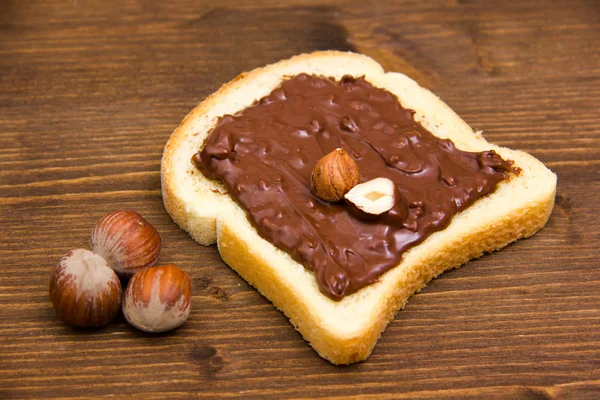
x,y
90,91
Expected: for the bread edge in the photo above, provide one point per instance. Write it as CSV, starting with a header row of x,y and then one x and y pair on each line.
x,y
346,350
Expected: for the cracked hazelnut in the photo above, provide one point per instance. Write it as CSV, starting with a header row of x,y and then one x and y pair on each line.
x,y
373,197
334,175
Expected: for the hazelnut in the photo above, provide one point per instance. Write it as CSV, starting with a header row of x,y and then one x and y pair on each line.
x,y
373,197
84,290
126,241
334,175
158,299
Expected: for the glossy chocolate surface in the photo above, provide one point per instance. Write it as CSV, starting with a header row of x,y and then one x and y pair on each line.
x,y
265,154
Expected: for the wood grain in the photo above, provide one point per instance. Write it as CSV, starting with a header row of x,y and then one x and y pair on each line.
x,y
89,94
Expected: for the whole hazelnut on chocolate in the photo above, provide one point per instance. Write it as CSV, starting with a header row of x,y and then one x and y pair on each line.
x,y
126,241
158,299
334,175
84,290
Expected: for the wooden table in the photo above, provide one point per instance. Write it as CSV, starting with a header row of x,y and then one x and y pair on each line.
x,y
90,91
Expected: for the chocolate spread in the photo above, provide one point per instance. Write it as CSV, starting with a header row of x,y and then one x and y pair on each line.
x,y
265,154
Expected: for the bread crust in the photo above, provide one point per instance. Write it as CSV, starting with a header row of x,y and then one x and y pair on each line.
x,y
345,332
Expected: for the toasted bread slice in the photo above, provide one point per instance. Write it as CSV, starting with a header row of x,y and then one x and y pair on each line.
x,y
345,332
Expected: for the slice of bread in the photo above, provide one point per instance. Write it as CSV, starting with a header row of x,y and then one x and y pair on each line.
x,y
345,332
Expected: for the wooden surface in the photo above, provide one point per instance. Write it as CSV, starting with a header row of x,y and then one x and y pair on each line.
x,y
89,94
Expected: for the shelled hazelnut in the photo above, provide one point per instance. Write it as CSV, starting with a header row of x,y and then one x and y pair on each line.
x,y
334,175
372,198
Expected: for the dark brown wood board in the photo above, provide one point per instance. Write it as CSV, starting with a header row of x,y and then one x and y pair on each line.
x,y
90,91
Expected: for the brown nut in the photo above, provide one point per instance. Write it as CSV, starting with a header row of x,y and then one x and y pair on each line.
x,y
334,175
126,241
373,197
158,299
84,290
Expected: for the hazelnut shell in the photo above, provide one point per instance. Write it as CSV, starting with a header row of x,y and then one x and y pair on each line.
x,y
126,241
84,290
158,299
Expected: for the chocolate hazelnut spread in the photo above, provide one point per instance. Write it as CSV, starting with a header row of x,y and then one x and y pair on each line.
x,y
265,154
